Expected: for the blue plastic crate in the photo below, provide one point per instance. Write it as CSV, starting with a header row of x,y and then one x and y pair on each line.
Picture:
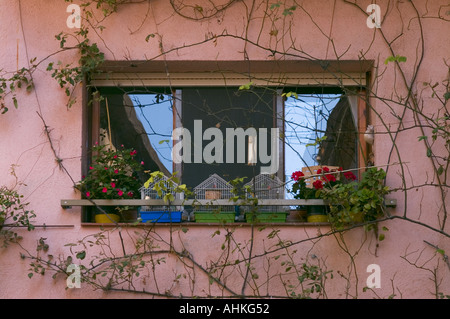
x,y
160,216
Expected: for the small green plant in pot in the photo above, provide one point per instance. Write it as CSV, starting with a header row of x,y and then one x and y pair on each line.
x,y
357,201
113,174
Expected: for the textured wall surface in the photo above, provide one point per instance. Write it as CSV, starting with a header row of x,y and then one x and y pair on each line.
x,y
321,29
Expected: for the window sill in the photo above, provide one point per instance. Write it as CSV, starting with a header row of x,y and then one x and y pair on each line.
x,y
69,203
189,224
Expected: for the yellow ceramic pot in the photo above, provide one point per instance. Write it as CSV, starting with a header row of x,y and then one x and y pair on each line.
x,y
317,218
104,219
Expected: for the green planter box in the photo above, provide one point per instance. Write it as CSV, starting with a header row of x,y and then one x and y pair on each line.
x,y
214,217
266,217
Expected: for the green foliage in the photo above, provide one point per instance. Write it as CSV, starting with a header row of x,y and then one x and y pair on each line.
x,y
10,85
13,214
286,11
357,201
246,86
166,188
311,280
69,76
290,94
397,58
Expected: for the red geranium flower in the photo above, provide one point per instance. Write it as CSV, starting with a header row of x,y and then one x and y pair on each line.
x,y
297,175
318,184
350,176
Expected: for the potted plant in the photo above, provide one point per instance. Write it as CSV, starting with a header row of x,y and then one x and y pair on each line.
x,y
300,190
357,201
111,175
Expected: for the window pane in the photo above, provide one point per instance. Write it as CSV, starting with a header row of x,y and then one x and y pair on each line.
x,y
139,122
155,113
320,130
226,108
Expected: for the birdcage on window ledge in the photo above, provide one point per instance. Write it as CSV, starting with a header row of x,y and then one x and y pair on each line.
x,y
266,187
211,189
164,213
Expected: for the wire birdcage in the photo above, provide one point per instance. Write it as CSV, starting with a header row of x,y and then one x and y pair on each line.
x,y
266,186
150,193
212,188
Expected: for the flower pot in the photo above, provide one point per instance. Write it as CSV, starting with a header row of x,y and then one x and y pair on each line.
x,y
316,210
214,217
266,217
161,216
317,219
107,219
317,214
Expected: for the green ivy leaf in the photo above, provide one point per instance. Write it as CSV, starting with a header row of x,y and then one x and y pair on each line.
x,y
81,255
423,137
397,58
147,38
246,86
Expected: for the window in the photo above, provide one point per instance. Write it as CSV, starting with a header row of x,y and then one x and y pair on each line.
x,y
228,124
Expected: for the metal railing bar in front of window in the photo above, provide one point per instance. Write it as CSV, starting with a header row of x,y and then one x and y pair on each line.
x,y
67,203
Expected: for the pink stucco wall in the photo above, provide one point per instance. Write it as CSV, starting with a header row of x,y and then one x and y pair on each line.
x,y
28,29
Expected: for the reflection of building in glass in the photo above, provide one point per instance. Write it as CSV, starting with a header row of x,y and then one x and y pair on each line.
x,y
312,117
156,115
121,126
339,148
